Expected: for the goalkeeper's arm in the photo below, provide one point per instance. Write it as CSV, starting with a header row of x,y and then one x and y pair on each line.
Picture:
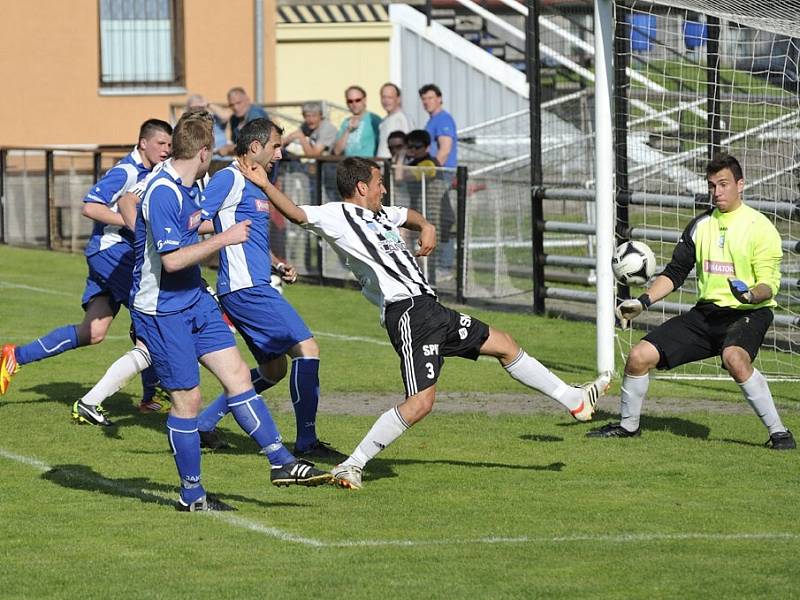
x,y
627,310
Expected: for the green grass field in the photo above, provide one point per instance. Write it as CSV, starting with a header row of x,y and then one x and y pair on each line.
x,y
466,504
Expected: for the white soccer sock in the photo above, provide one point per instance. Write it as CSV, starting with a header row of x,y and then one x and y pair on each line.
x,y
389,426
634,388
530,372
756,391
118,374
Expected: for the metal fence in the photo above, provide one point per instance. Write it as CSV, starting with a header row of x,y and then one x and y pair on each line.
x,y
483,222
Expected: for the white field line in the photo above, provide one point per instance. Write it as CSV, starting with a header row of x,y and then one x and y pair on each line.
x,y
225,517
30,288
285,536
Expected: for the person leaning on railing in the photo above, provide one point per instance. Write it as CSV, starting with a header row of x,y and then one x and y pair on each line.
x,y
315,137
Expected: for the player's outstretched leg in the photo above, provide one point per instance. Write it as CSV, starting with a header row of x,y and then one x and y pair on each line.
x,y
253,416
218,408
54,343
579,401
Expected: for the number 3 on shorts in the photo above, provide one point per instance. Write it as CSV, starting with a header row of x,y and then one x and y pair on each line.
x,y
431,374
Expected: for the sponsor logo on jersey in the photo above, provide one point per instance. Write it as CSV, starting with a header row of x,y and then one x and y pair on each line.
x,y
162,243
717,267
194,219
262,206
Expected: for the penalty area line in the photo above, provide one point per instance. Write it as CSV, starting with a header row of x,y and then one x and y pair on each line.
x,y
285,536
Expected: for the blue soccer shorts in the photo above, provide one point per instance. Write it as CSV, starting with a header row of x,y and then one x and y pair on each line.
x,y
266,321
177,340
110,274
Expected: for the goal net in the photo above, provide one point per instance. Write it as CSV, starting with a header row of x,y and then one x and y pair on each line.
x,y
704,76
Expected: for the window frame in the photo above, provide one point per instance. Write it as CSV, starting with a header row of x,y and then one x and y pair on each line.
x,y
178,58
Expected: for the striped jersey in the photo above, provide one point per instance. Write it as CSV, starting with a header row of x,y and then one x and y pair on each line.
x,y
168,219
743,244
228,199
118,179
372,247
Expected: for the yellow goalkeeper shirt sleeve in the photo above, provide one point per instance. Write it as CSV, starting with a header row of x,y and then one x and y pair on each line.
x,y
743,244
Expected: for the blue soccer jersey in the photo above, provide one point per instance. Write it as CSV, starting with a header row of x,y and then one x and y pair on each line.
x,y
228,199
118,179
168,218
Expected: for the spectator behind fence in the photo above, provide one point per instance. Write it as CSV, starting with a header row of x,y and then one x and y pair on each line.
x,y
395,120
221,114
316,136
435,204
242,111
358,135
441,126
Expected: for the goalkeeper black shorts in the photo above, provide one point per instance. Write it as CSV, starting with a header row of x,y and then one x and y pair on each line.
x,y
706,330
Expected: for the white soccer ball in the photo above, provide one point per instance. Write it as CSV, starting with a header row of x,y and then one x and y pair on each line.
x,y
633,263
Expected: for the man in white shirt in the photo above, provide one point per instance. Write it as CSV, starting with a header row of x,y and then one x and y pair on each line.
x,y
395,120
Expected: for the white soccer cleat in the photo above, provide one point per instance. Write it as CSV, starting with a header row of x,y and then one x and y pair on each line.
x,y
591,393
347,476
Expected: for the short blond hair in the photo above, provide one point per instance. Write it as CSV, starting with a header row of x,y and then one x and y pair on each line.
x,y
194,130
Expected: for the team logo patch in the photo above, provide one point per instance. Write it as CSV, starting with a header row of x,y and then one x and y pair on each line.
x,y
716,267
262,206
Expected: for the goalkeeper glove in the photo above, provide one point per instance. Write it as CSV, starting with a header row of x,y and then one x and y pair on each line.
x,y
740,290
628,310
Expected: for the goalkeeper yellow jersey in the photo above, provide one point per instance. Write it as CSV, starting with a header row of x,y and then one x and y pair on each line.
x,y
743,244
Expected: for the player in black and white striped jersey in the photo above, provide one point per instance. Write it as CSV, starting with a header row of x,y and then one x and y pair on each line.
x,y
422,331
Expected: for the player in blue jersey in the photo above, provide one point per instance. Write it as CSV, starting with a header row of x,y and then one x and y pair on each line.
x,y
109,255
268,323
179,322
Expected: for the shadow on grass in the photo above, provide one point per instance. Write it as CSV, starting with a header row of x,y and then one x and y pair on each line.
x,y
123,411
533,437
81,477
383,468
674,425
741,442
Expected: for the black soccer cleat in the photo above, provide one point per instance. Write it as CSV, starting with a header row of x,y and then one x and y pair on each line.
x,y
212,440
204,504
300,472
613,430
320,450
90,415
781,440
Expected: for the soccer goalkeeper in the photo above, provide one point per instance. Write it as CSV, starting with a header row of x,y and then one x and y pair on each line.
x,y
736,252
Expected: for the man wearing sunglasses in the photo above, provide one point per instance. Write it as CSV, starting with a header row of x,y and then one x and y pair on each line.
x,y
358,135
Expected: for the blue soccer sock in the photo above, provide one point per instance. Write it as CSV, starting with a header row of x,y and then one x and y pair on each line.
x,y
304,388
214,412
185,443
149,383
57,341
252,415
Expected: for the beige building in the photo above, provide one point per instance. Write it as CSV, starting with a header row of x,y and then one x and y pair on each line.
x,y
323,48
90,71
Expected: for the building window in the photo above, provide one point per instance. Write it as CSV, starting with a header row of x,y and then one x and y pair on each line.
x,y
141,43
